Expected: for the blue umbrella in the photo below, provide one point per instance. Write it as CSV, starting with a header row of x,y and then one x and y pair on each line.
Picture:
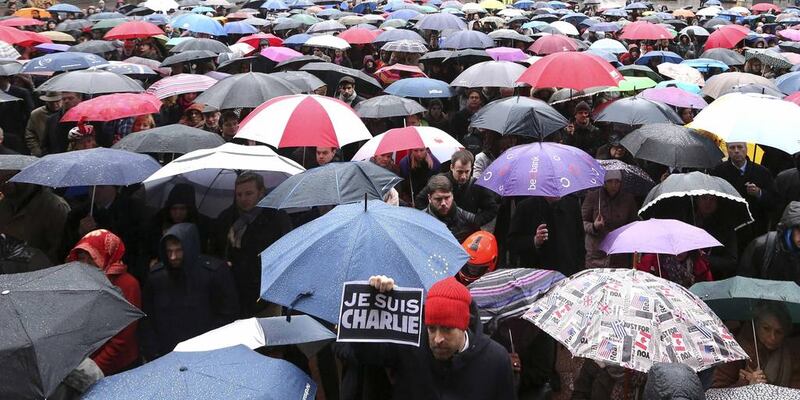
x,y
331,13
365,7
230,373
704,64
557,4
405,14
788,83
300,330
610,57
666,56
398,5
297,40
202,10
91,167
199,24
398,34
534,25
65,8
274,5
157,19
300,4
239,28
306,268
636,6
423,88
468,40
523,4
440,22
615,12
574,18
689,87
62,62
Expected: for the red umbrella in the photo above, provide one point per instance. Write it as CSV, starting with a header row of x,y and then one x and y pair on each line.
x,y
764,7
643,30
553,44
726,37
22,38
393,73
21,21
113,106
254,40
360,35
571,70
794,98
133,30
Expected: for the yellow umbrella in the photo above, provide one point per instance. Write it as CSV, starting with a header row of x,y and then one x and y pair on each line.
x,y
492,5
58,36
28,13
754,152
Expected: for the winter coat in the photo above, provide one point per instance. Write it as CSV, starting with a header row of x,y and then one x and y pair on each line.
x,y
121,351
37,216
461,223
15,116
184,302
616,211
788,184
56,134
35,131
564,251
586,137
468,196
17,257
773,256
759,207
673,381
416,179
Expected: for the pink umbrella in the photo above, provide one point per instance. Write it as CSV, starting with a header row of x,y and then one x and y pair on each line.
x,y
507,54
303,120
642,30
794,98
675,97
21,21
114,106
280,54
553,44
659,236
180,84
791,34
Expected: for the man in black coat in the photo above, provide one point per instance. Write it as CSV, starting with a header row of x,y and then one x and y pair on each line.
x,y
187,293
755,184
15,115
441,206
455,360
56,133
243,231
547,232
776,255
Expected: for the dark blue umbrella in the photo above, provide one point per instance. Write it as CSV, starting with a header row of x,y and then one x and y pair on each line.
x,y
332,184
440,22
398,34
423,88
468,40
230,373
305,269
666,56
789,83
88,168
524,4
61,62
365,7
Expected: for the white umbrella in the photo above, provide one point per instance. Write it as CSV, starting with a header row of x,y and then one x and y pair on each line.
x,y
441,144
327,41
160,5
681,73
565,28
490,74
471,8
709,11
609,45
213,172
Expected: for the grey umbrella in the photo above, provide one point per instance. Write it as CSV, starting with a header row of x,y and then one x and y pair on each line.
x,y
73,25
331,73
638,111
727,56
468,56
332,184
673,146
188,56
95,46
248,90
15,162
303,80
9,68
517,115
405,46
388,106
5,97
300,330
326,27
490,74
677,193
51,320
91,82
214,46
752,88
175,138
436,56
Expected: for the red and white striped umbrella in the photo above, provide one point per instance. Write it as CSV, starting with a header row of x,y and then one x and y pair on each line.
x,y
441,144
303,120
180,84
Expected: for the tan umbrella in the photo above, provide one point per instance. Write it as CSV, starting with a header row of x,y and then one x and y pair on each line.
x,y
682,73
718,84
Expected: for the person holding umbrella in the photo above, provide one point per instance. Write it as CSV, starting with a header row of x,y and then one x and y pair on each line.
x,y
604,210
775,255
37,124
347,91
585,135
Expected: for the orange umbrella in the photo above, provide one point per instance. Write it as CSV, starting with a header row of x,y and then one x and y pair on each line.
x,y
30,11
683,13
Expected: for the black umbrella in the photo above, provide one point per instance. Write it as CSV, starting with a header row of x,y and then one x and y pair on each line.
x,y
331,73
332,184
519,115
727,56
638,111
714,23
468,56
91,82
214,46
231,66
673,146
248,90
175,138
790,47
297,62
436,56
15,162
305,81
677,194
388,106
634,179
188,56
95,46
50,320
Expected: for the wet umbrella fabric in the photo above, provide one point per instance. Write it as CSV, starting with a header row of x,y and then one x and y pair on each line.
x,y
91,82
417,250
760,391
660,236
305,81
15,162
88,168
175,138
388,106
94,47
188,56
180,84
71,306
113,106
331,73
718,83
675,97
60,62
678,191
248,90
523,116
634,179
490,74
638,111
332,184
508,293
439,142
673,146
420,88
571,70
727,56
232,372
735,298
214,46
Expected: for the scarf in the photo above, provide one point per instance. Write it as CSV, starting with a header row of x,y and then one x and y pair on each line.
x,y
106,250
778,367
349,99
239,227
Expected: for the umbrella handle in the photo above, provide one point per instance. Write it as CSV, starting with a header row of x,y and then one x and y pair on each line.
x,y
91,204
755,342
297,298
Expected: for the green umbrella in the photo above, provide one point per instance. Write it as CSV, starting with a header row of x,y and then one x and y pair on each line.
x,y
632,83
427,9
305,19
109,23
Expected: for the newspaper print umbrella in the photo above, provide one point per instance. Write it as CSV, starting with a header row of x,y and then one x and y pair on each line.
x,y
508,293
761,391
633,319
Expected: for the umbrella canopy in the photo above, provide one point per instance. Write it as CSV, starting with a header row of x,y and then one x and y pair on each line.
x,y
423,88
416,249
760,391
133,30
675,97
440,143
359,35
8,52
305,81
62,62
764,122
553,44
91,167
641,30
542,169
255,40
467,40
508,293
15,36
673,146
682,73
388,106
327,42
247,90
198,23
303,120
726,56
440,22
633,319
609,45
769,57
332,184
507,54
735,298
405,46
91,82
634,179
517,115
94,47
188,56
175,138
331,73
726,37
397,34
15,162
71,306
490,74
660,236
232,372
179,84
637,110
677,193
572,70
717,84
113,106
214,46
789,83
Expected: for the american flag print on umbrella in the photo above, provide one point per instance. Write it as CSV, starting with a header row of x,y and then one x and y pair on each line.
x,y
633,319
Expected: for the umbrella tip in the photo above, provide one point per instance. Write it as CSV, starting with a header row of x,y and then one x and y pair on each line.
x,y
183,369
365,201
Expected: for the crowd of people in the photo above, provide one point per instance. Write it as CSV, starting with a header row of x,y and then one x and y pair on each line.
x,y
191,272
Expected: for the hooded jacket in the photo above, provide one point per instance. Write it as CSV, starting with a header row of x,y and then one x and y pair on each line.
x,y
673,382
187,301
773,255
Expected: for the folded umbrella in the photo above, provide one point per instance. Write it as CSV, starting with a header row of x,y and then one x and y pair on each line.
x,y
71,306
440,143
387,106
508,293
179,84
634,179
211,45
175,138
490,74
672,145
637,110
517,115
248,90
113,106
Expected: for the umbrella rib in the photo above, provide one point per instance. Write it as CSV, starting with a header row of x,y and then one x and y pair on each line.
x,y
30,340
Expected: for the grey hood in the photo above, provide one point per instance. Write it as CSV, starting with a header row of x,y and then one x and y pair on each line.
x,y
791,216
673,382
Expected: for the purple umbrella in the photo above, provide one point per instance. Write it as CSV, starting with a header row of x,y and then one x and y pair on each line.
x,y
675,97
507,54
660,236
542,169
280,54
52,48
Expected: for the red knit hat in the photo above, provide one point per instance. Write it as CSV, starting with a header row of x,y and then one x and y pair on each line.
x,y
447,304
